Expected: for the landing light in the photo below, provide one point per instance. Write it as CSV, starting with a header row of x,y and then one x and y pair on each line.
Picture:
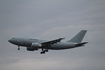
x,y
40,45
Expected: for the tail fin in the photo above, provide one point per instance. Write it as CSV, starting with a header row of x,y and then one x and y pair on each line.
x,y
78,38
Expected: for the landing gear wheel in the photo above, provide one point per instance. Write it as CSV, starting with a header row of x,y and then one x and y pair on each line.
x,y
43,52
18,48
46,50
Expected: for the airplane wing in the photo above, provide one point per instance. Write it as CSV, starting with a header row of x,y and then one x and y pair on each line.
x,y
52,42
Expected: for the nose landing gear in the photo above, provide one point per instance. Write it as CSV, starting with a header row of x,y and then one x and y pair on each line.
x,y
18,47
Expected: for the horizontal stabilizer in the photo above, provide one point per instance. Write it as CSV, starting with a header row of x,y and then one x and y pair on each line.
x,y
81,44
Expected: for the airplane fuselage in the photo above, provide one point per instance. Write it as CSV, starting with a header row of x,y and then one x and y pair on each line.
x,y
27,42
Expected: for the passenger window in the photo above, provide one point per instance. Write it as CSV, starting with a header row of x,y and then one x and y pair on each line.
x,y
34,40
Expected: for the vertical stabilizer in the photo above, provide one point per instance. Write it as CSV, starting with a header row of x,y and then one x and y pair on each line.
x,y
78,38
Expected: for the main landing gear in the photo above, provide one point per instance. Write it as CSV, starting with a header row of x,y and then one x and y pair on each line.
x,y
43,51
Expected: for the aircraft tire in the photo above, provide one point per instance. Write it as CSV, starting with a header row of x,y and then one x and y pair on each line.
x,y
43,52
46,50
18,48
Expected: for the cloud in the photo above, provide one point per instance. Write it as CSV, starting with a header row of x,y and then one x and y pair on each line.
x,y
51,20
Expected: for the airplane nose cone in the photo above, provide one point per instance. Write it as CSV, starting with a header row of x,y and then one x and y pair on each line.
x,y
9,40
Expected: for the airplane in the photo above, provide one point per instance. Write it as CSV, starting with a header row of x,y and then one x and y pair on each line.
x,y
35,44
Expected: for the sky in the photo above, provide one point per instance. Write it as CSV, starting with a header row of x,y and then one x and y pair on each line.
x,y
49,20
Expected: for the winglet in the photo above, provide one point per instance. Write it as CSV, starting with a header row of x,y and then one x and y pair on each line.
x,y
62,38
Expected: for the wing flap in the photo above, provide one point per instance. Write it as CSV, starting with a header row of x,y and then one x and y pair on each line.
x,y
52,42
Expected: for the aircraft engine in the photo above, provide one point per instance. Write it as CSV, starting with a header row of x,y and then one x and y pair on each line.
x,y
36,45
31,49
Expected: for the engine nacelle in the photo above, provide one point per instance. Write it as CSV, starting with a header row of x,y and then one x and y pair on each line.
x,y
31,49
36,45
